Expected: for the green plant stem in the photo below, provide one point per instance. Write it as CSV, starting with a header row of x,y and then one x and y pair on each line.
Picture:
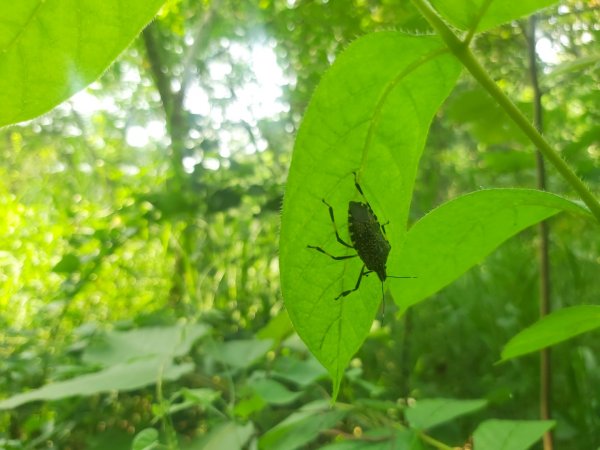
x,y
464,54
165,416
434,442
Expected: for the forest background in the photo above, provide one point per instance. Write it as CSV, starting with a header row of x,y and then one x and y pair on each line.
x,y
139,243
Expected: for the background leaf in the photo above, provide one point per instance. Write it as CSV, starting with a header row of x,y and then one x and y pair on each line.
x,y
273,392
240,353
301,427
160,186
399,440
119,346
229,435
460,233
370,113
300,372
145,439
482,15
552,329
431,412
52,49
509,434
121,377
486,121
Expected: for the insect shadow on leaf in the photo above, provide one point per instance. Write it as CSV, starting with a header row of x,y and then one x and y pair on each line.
x,y
368,238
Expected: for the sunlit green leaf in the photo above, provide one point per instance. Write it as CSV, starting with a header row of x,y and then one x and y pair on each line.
x,y
52,49
557,327
370,114
458,234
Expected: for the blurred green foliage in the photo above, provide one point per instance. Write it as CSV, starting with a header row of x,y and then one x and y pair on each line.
x,y
129,206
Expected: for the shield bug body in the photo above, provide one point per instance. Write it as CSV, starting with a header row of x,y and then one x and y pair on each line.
x,y
368,238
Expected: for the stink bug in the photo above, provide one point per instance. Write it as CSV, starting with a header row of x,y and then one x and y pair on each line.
x,y
368,238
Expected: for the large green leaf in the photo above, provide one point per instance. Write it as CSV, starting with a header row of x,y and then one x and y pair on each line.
x,y
458,234
370,114
509,434
51,49
121,377
552,329
481,15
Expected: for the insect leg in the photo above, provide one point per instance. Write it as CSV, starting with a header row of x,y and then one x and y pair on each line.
x,y
319,249
337,235
357,185
349,291
383,225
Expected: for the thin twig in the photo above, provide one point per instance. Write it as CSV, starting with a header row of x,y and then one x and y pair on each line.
x,y
543,254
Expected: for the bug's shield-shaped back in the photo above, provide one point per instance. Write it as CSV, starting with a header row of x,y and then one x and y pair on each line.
x,y
368,238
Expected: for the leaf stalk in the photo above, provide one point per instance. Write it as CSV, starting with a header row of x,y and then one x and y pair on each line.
x,y
461,50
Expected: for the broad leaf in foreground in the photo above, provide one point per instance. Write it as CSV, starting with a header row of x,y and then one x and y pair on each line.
x,y
51,49
370,115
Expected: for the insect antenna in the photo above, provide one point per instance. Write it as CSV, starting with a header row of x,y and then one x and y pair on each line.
x,y
382,304
383,296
